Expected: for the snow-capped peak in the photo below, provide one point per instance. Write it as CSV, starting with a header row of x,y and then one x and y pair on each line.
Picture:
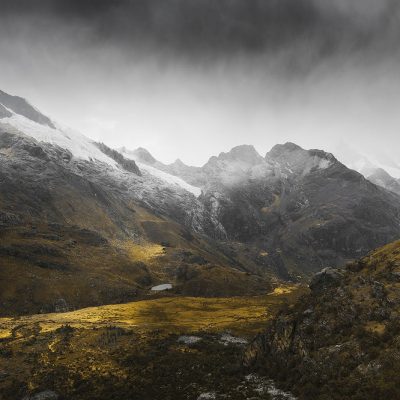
x,y
162,175
79,145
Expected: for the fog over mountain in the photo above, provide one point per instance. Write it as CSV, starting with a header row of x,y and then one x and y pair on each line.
x,y
188,79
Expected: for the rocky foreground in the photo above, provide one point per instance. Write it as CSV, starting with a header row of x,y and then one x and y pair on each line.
x,y
341,341
168,348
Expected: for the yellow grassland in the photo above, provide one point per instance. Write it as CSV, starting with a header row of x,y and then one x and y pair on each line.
x,y
242,315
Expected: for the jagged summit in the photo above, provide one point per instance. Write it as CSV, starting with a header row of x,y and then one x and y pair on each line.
x,y
280,149
301,203
289,150
143,155
245,153
178,163
140,154
19,117
298,160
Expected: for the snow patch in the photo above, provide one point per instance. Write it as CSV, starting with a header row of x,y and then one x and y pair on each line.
x,y
323,163
189,339
79,145
168,178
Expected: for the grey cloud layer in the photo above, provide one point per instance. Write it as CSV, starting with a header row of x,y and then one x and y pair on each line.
x,y
220,27
209,74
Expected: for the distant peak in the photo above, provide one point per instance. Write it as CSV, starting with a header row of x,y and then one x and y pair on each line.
x,y
280,149
244,148
380,173
179,162
245,152
143,155
298,160
322,154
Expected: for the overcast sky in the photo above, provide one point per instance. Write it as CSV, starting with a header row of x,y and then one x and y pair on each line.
x,y
192,78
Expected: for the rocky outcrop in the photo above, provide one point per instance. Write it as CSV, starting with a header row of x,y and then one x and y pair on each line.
x,y
325,279
125,163
60,306
344,332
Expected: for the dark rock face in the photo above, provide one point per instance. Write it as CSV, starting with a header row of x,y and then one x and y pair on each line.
x,y
346,331
303,208
22,107
126,164
306,209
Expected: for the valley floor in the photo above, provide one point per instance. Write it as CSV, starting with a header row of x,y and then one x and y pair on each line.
x,y
166,348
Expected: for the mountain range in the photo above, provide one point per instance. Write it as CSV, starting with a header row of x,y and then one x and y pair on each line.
x,y
83,224
302,208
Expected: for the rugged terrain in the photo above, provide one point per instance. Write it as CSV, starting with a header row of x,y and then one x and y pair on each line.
x,y
296,210
168,348
82,224
341,341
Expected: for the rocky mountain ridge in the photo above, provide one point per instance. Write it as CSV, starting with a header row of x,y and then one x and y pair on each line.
x,y
303,209
82,225
253,219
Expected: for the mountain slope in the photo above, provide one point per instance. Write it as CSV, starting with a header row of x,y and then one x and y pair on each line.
x,y
295,211
19,106
381,178
233,226
303,208
343,339
177,173
82,225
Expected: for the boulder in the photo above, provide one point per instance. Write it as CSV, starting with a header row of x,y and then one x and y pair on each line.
x,y
328,277
45,395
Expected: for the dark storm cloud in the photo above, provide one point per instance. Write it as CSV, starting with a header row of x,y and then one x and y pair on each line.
x,y
190,78
224,27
